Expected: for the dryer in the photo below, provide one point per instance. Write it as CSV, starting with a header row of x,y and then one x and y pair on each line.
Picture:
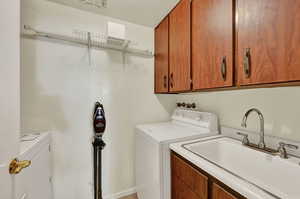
x,y
35,181
153,167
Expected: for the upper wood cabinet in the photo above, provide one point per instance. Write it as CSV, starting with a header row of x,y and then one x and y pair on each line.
x,y
179,38
268,38
162,57
228,44
212,43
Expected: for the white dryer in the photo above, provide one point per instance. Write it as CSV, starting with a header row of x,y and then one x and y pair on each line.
x,y
153,170
35,181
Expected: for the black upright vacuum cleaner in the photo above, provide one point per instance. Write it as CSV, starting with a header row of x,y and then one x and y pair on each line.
x,y
98,145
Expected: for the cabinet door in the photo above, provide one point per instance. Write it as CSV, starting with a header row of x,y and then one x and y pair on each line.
x,y
180,70
162,57
268,41
196,184
219,193
181,191
212,43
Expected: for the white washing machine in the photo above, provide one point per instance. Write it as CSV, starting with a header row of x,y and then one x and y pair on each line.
x,y
153,170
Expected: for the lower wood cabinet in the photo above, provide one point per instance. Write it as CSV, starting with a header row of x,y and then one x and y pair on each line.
x,y
181,191
189,182
196,184
220,193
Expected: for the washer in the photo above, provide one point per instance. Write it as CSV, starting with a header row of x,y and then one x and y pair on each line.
x,y
153,170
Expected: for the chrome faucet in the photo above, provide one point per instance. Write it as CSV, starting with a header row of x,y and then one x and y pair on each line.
x,y
261,143
281,150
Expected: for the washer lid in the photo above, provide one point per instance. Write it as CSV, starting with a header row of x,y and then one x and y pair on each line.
x,y
31,144
185,123
168,131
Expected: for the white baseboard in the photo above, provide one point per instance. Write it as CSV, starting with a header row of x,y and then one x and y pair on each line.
x,y
121,194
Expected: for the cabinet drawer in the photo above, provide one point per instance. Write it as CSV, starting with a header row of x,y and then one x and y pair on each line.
x,y
193,179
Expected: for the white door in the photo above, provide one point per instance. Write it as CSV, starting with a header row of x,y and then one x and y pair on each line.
x,y
9,95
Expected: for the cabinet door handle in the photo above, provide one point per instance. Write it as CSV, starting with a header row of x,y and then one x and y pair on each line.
x,y
171,80
165,81
224,68
247,62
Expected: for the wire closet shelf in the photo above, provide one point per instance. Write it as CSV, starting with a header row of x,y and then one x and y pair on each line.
x,y
83,38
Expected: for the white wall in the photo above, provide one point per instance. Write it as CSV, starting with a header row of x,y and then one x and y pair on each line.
x,y
59,89
9,79
280,107
9,91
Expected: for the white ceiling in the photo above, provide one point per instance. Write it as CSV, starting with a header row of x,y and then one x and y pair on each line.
x,y
143,12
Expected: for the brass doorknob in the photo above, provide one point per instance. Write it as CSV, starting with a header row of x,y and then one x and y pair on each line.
x,y
17,166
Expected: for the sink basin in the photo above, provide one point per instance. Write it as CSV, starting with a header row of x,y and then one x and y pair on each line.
x,y
277,177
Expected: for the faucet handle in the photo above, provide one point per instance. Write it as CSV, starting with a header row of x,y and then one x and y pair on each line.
x,y
282,149
291,146
245,140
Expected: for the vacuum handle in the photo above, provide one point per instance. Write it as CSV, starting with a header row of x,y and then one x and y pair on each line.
x,y
99,119
98,146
